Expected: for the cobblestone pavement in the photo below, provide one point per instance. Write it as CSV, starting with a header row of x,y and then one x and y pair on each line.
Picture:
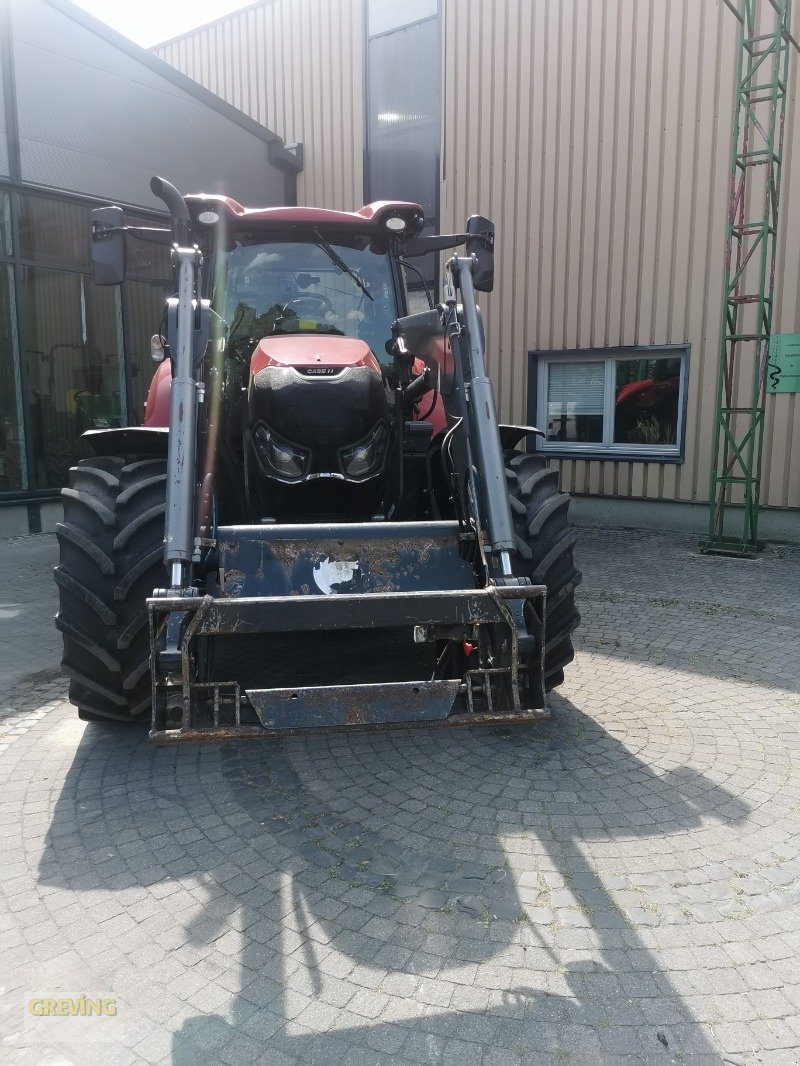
x,y
28,639
620,883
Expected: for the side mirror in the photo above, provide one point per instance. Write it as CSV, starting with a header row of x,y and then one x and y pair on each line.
x,y
480,243
419,330
108,246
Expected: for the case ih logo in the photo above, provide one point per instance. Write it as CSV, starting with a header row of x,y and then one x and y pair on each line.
x,y
320,371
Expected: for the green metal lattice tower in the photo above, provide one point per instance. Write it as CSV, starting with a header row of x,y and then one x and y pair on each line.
x,y
755,179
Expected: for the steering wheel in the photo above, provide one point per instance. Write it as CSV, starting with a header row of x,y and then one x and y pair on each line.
x,y
310,303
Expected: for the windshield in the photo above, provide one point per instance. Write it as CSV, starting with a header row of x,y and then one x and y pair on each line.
x,y
300,286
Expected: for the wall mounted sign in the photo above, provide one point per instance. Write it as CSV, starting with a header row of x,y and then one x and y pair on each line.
x,y
783,365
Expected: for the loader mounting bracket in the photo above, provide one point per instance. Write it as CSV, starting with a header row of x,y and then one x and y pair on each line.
x,y
189,706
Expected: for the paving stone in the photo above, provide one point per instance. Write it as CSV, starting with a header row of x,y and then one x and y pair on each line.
x,y
619,883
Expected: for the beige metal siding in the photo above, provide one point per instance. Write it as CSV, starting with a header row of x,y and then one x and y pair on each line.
x,y
296,66
596,133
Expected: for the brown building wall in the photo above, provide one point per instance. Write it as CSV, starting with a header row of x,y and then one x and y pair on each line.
x,y
296,66
596,133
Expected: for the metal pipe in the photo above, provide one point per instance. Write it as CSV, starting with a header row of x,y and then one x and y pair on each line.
x,y
181,457
483,422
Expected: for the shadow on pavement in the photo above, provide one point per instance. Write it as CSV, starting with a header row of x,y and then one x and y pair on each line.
x,y
654,599
382,863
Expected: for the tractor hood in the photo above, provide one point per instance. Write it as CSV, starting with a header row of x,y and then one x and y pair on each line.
x,y
315,404
312,355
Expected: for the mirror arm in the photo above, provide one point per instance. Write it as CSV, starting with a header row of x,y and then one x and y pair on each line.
x,y
103,232
434,242
152,234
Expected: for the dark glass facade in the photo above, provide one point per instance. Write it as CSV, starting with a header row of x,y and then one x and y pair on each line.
x,y
73,356
403,107
86,118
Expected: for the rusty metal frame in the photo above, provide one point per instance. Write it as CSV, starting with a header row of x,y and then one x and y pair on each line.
x,y
208,616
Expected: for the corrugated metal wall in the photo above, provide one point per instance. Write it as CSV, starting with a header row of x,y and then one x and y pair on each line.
x,y
296,66
596,133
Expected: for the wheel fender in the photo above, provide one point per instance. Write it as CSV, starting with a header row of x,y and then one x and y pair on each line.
x,y
156,409
510,436
128,440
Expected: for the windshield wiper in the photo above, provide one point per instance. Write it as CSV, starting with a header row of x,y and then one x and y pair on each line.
x,y
337,260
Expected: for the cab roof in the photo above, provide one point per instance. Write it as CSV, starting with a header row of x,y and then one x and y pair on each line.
x,y
368,219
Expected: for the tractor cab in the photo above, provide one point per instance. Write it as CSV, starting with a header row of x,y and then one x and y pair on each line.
x,y
307,302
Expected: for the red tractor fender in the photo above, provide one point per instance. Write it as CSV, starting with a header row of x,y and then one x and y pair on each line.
x,y
156,409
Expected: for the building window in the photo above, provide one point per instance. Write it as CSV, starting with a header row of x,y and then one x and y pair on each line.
x,y
72,356
149,282
74,367
620,403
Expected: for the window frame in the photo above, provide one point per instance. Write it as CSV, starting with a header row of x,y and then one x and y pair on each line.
x,y
538,363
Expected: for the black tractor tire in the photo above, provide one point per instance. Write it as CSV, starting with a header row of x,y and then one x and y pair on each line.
x,y
544,542
111,557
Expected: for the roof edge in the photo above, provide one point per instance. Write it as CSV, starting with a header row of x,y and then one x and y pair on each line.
x,y
211,22
167,71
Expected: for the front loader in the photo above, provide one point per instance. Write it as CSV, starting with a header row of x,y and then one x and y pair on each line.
x,y
321,524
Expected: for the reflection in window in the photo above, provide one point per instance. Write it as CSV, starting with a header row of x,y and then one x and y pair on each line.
x,y
6,246
619,402
403,112
54,231
646,401
150,282
11,444
73,360
144,308
575,399
4,161
147,259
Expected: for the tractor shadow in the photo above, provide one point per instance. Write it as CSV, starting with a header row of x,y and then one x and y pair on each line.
x,y
386,863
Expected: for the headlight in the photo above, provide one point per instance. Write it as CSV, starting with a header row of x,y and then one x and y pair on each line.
x,y
366,458
278,458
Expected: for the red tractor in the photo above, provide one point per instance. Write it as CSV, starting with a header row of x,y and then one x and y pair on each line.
x,y
322,523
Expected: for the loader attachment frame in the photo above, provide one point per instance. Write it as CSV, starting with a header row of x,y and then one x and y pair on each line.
x,y
188,709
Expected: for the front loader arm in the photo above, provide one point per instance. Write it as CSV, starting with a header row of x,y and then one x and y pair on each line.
x,y
179,532
484,449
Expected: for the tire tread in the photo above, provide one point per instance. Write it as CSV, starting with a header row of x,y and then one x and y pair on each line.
x,y
545,542
111,546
